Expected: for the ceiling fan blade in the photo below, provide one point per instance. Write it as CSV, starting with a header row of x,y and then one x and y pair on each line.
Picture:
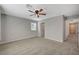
x,y
29,6
32,14
42,13
40,10
31,11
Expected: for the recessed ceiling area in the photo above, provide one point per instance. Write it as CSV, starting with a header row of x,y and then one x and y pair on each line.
x,y
51,10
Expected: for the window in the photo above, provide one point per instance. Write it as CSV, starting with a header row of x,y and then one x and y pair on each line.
x,y
33,26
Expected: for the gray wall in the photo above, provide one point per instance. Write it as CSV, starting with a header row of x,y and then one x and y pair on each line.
x,y
67,29
54,28
0,25
39,29
14,28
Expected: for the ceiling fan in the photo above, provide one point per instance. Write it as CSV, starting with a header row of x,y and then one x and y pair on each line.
x,y
36,12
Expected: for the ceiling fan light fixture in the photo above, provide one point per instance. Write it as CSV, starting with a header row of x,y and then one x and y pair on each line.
x,y
37,12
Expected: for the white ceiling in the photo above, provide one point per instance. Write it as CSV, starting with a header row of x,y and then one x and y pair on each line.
x,y
20,10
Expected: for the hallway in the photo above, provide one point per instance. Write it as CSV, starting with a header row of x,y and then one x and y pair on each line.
x,y
73,38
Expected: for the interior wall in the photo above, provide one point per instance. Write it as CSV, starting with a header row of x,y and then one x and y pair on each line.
x,y
78,34
14,28
39,29
78,27
0,25
66,29
54,28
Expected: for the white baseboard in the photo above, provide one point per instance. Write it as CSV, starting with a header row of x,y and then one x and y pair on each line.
x,y
54,39
3,42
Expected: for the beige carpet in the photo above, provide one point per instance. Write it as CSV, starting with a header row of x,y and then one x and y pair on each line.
x,y
39,46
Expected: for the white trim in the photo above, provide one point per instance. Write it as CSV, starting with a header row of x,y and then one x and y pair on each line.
x,y
4,42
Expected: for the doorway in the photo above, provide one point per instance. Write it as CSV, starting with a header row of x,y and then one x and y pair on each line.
x,y
42,29
72,31
72,28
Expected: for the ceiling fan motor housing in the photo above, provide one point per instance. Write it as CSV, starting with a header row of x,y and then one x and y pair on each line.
x,y
36,11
